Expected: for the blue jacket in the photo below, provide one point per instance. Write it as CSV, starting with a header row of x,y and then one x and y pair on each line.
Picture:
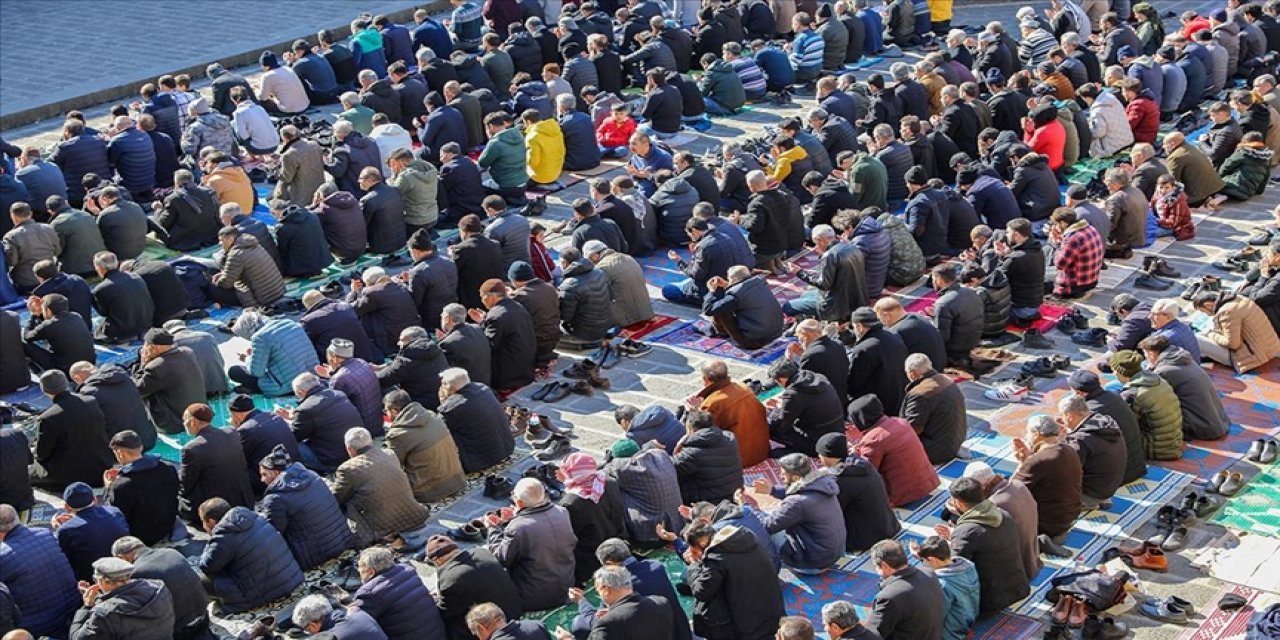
x,y
78,156
873,241
281,351
656,422
352,625
164,109
303,248
460,192
580,149
926,217
401,604
874,29
133,157
359,382
40,579
444,125
433,35
79,295
397,44
757,311
960,593
533,95
1180,334
737,240
259,434
777,68
302,508
166,157
43,179
712,256
88,535
814,524
11,191
331,319
248,561
993,201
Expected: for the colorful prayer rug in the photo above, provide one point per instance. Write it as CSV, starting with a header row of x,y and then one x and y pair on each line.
x,y
1219,624
685,336
1254,509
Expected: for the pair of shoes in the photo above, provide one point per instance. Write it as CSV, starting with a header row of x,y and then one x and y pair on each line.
x,y
1247,254
1096,628
1014,390
582,369
1075,318
1263,451
1261,238
1154,283
1033,339
1166,610
1150,557
1233,263
1158,266
555,447
1070,611
1095,337
1231,602
1058,632
1201,285
1226,483
465,533
553,391
519,418
497,487
1171,535
1202,505
633,349
1047,545
1041,367
581,387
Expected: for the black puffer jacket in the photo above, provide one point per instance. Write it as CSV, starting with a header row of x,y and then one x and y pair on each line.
x,y
384,218
120,402
959,317
868,518
140,610
330,319
1035,187
382,98
1024,267
585,301
708,466
841,281
735,589
416,369
809,404
344,226
385,309
1113,406
301,507
479,426
433,282
1203,417
766,221
997,303
876,367
304,251
248,561
1102,452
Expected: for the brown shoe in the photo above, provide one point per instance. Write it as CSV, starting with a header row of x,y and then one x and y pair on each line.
x,y
1152,558
1078,614
1138,550
1062,609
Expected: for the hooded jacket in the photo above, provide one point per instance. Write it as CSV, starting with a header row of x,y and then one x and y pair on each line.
x,y
300,506
1035,187
546,151
958,314
1143,113
232,184
706,461
211,129
735,589
721,83
734,408
1108,125
1159,412
248,561
868,518
344,226
988,537
585,301
812,520
505,159
1103,455
935,408
121,405
906,263
382,98
1203,416
418,185
141,610
1245,173
808,405
416,369
348,159
249,269
190,216
993,201
893,448
871,240
960,591
304,251
997,303
422,443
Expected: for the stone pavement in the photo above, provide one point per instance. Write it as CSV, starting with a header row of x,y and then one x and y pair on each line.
x,y
668,375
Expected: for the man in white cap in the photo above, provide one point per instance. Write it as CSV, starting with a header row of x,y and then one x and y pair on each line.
x,y
357,379
117,606
631,302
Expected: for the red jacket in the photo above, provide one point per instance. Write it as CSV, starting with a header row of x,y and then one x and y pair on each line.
x,y
1172,212
1189,29
612,134
1144,117
894,449
1049,140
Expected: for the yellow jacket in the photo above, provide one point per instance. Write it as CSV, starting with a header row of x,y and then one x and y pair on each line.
x,y
545,146
782,166
940,10
231,184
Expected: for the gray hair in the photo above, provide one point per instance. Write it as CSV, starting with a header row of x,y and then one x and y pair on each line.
x,y
1117,175
715,370
367,74
229,210
183,177
377,559
951,91
796,464
53,382
106,261
840,613
900,71
1167,306
917,363
342,129
1073,404
613,550
426,54
455,378
613,577
357,438
351,98
530,491
486,614
823,231
374,275
925,66
247,324
313,608
1265,78
817,113
1043,425
304,382
888,552
128,545
1144,148
809,326
732,147
413,333
455,312
1070,38
566,101
883,131
8,518
83,367
756,178
737,273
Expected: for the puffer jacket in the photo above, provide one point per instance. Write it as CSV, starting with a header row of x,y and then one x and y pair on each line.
x,y
988,537
1035,187
656,423
210,129
871,239
545,144
374,492
935,407
1109,126
139,610
418,184
1245,172
479,426
735,589
960,588
416,369
997,303
329,319
250,270
707,465
248,561
433,283
399,601
892,447
133,157
349,158
422,443
385,309
300,506
231,184
958,314
78,156
811,518
121,405
1159,414
281,351
809,404
505,158
631,303
380,97
673,202
344,227
585,301
533,95
906,261
1103,455
384,218
868,518
1203,417
721,83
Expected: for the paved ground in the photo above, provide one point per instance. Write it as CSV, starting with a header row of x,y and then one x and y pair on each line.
x,y
668,375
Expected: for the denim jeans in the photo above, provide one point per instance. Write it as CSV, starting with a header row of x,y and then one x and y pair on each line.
x,y
613,152
310,460
647,129
1162,232
804,306
685,292
1025,313
715,108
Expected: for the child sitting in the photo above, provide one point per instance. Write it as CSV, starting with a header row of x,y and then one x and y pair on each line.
x,y
959,578
614,133
1173,214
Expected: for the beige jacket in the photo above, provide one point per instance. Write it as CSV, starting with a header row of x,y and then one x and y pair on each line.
x,y
1242,327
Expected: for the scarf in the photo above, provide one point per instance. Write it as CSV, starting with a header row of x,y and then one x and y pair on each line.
x,y
582,476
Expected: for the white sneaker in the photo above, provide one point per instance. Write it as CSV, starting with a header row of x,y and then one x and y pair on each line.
x,y
1007,392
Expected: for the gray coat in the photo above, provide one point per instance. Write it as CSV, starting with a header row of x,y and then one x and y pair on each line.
x,y
205,348
812,519
81,240
24,246
511,231
301,172
650,490
250,270
631,303
139,610
536,547
1203,417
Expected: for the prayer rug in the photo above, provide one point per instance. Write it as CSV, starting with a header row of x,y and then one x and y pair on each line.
x,y
297,286
1218,624
660,271
804,595
685,336
1254,509
639,330
563,616
605,166
1252,402
746,108
169,445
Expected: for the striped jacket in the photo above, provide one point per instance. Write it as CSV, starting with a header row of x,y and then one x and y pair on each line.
x,y
807,50
751,76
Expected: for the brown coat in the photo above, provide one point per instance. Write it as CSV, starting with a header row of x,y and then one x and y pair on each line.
x,y
1242,327
376,496
422,443
301,172
1192,168
735,409
1013,497
1053,474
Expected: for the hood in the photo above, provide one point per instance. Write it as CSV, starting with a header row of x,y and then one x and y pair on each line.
x,y
295,478
545,128
294,215
961,571
1032,159
534,89
680,187
727,510
369,39
230,171
854,466
868,226
382,89
652,417
146,463
237,520
245,241
1044,114
1144,379
214,120
1174,357
467,64
139,600
1255,152
818,481
412,416
522,38
1143,61
356,140
579,266
1100,426
732,539
342,200
985,513
866,411
108,376
794,153
422,349
390,130
996,280
720,66
888,221
510,137
806,381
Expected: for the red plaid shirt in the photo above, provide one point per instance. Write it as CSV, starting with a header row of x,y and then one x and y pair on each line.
x,y
1079,258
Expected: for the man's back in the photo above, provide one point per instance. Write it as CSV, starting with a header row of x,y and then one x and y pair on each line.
x,y
909,606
